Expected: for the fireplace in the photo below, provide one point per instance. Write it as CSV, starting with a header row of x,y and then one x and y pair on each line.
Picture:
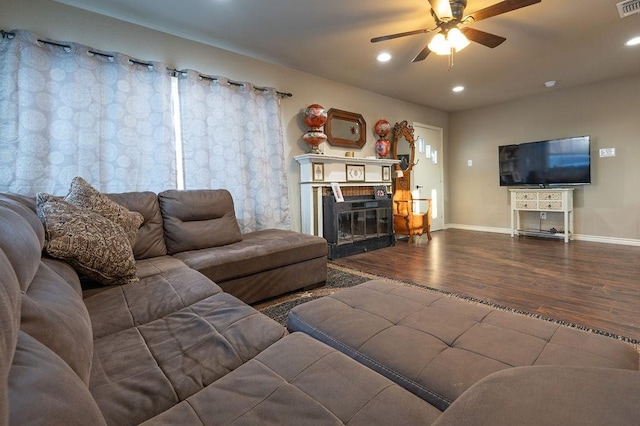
x,y
361,222
357,224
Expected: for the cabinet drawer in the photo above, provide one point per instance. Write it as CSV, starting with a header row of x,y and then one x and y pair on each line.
x,y
526,205
526,196
557,196
550,205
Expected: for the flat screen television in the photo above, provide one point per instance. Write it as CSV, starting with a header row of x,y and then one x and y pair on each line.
x,y
564,161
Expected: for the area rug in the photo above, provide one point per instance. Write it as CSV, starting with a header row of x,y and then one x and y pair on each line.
x,y
339,277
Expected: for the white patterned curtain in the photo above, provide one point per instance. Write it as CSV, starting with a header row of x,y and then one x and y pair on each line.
x,y
67,112
232,139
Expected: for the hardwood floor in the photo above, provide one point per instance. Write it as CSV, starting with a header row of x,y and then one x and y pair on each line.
x,y
590,284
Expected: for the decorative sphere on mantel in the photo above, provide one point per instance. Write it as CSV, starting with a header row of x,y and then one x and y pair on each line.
x,y
315,116
382,128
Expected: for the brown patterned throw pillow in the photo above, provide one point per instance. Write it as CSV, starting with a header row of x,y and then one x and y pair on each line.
x,y
91,243
82,194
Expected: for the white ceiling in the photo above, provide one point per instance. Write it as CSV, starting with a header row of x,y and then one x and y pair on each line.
x,y
572,41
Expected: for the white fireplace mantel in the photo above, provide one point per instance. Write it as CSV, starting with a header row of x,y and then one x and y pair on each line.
x,y
318,171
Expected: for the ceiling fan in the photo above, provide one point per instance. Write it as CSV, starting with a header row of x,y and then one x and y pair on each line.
x,y
448,14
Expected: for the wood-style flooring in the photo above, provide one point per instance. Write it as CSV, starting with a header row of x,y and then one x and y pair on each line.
x,y
590,284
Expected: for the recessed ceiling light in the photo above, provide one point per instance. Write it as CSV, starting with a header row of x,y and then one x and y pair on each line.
x,y
633,42
384,57
458,89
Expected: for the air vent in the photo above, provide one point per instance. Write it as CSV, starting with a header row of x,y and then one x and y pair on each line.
x,y
628,7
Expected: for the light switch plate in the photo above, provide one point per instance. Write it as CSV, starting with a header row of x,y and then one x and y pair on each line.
x,y
607,152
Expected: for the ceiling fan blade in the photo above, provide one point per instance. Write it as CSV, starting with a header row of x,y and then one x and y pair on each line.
x,y
398,35
486,39
441,8
500,8
422,55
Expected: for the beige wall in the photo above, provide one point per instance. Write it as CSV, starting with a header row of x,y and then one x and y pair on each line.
x,y
608,209
60,22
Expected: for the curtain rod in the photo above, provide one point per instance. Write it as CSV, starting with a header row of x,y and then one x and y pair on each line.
x,y
174,72
238,83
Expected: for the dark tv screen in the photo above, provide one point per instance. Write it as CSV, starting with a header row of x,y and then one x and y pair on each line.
x,y
564,161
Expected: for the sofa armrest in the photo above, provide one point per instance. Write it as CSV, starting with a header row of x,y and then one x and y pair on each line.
x,y
549,395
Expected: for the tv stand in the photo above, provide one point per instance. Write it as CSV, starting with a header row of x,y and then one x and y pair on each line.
x,y
542,200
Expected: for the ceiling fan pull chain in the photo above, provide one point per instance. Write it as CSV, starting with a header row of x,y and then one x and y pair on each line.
x,y
450,59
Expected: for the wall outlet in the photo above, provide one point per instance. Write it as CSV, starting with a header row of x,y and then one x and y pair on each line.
x,y
608,152
543,215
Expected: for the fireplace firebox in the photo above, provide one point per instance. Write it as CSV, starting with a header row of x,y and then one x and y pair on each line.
x,y
357,225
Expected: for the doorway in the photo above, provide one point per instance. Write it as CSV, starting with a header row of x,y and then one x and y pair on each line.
x,y
427,176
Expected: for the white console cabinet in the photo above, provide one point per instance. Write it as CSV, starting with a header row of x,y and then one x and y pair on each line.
x,y
542,200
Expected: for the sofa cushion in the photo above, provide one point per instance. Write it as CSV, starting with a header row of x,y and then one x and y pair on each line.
x,y
299,380
198,219
44,390
9,326
122,307
150,241
549,395
83,195
53,313
166,338
51,309
258,251
64,271
438,346
20,243
93,244
26,208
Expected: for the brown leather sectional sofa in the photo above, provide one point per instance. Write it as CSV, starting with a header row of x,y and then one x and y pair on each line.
x,y
174,348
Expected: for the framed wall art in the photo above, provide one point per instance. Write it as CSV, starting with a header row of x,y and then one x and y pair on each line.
x,y
386,173
318,171
355,173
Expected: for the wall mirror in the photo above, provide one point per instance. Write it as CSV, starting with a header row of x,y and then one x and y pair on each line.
x,y
345,128
404,146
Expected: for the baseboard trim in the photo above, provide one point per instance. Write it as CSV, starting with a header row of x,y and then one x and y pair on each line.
x,y
577,237
477,228
608,240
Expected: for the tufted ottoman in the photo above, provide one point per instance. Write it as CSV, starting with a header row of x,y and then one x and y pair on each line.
x,y
438,346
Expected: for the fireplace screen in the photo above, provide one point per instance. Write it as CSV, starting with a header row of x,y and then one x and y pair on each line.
x,y
357,225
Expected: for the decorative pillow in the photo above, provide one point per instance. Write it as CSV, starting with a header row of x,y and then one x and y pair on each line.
x,y
91,243
82,194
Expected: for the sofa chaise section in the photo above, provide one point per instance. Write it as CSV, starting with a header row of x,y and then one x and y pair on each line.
x,y
200,229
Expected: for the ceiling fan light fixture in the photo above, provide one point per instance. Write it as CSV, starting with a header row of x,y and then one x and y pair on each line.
x,y
444,43
457,40
439,45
